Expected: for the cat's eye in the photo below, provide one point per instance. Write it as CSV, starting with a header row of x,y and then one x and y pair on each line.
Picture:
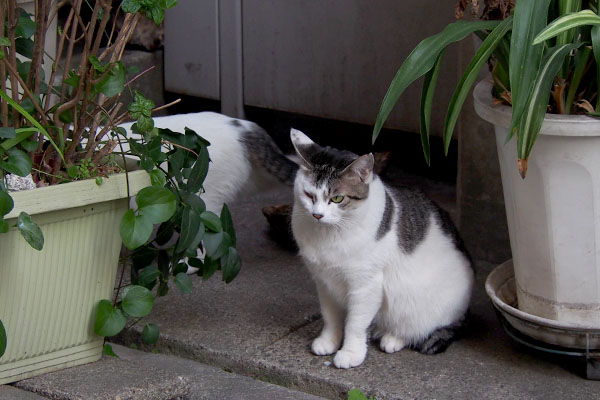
x,y
337,199
310,196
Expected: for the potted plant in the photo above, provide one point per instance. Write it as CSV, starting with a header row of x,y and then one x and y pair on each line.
x,y
545,61
60,242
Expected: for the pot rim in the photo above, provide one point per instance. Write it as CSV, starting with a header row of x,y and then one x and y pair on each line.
x,y
553,125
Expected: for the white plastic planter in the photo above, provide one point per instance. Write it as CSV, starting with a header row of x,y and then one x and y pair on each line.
x,y
48,298
553,214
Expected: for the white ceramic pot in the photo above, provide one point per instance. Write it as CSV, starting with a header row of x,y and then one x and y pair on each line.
x,y
553,214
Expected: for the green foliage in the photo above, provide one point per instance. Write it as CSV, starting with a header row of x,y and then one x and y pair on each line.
x,y
107,350
153,9
542,48
356,394
150,333
3,339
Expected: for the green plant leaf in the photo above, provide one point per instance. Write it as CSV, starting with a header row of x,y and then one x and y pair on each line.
x,y
147,277
4,41
209,267
227,223
421,60
191,232
183,283
6,203
150,333
24,47
529,19
3,339
32,120
18,163
135,230
470,75
107,350
4,227
8,133
426,101
157,178
581,58
138,301
212,221
232,265
109,321
535,109
131,6
158,204
30,231
199,171
113,82
566,22
356,394
213,245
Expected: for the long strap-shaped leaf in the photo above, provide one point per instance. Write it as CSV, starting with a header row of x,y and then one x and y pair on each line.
x,y
529,19
421,60
31,119
559,25
426,101
595,35
535,110
469,77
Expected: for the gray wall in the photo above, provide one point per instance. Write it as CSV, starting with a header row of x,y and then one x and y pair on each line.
x,y
330,58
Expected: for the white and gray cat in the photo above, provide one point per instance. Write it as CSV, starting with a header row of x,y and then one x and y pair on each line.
x,y
381,257
244,158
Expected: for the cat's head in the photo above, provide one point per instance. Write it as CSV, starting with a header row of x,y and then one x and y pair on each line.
x,y
330,183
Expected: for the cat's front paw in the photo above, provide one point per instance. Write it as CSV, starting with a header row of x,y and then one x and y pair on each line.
x,y
349,358
322,346
391,344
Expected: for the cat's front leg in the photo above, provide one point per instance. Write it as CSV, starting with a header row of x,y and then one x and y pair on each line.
x,y
363,304
330,338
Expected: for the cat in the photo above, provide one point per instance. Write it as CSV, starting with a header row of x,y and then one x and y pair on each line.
x,y
380,256
244,158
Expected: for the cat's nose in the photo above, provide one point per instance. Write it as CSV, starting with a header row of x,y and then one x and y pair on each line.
x,y
318,216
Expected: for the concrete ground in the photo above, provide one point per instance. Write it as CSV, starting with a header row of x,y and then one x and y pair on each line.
x,y
250,340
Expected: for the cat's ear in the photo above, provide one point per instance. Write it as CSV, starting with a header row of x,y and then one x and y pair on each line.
x,y
360,169
304,146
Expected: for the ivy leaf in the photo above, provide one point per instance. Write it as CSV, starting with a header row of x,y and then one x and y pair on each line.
x,y
183,282
150,334
135,230
6,203
3,339
356,394
166,4
18,162
8,133
109,321
138,301
232,265
113,82
4,41
158,204
131,6
212,221
107,350
140,106
97,64
30,231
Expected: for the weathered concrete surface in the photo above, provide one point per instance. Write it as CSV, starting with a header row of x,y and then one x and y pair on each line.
x,y
146,376
262,324
8,392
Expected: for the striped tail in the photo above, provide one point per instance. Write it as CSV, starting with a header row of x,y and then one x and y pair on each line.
x,y
440,339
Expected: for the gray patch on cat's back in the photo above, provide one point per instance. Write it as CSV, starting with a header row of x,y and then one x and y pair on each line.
x,y
235,123
263,152
386,219
413,221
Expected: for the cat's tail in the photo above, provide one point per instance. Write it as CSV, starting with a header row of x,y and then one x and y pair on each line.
x,y
440,339
263,152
